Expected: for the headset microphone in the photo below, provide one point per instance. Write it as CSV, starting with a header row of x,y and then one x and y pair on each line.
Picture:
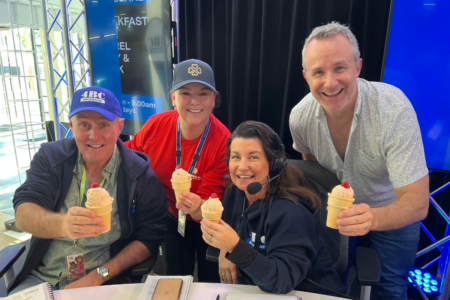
x,y
255,187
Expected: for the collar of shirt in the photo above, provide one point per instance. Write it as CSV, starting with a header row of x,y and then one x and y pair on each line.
x,y
107,171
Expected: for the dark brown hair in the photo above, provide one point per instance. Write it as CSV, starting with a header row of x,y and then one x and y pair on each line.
x,y
218,99
291,180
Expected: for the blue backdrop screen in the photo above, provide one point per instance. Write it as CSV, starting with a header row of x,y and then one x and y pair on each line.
x,y
418,62
130,44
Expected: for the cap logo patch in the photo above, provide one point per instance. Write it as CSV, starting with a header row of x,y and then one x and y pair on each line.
x,y
93,96
194,70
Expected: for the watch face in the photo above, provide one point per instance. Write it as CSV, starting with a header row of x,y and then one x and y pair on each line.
x,y
102,270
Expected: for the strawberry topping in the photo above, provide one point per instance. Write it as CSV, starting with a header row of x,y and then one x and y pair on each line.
x,y
345,184
178,167
95,185
214,195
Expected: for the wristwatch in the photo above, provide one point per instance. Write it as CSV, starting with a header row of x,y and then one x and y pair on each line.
x,y
103,271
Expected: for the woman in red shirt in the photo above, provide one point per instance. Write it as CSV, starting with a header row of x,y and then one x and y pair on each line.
x,y
198,144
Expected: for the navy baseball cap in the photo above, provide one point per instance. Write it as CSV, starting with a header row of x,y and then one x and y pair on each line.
x,y
193,70
96,99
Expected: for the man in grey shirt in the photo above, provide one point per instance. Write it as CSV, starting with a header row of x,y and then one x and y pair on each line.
x,y
68,249
367,134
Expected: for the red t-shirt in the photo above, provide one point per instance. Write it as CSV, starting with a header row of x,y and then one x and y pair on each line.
x,y
157,139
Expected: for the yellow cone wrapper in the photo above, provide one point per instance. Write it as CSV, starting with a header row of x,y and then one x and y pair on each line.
x,y
212,209
339,199
181,182
99,200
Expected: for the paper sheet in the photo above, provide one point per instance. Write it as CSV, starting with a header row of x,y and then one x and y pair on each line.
x,y
23,236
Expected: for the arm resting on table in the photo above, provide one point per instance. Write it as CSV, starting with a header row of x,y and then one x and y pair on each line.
x,y
134,253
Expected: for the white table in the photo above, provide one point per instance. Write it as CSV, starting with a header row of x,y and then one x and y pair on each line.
x,y
199,291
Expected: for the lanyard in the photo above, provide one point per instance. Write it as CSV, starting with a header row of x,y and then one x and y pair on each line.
x,y
199,146
83,185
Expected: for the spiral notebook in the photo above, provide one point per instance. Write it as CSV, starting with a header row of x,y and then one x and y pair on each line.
x,y
42,291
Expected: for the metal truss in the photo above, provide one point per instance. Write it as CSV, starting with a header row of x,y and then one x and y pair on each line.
x,y
442,245
65,78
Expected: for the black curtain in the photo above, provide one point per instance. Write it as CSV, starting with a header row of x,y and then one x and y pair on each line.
x,y
254,48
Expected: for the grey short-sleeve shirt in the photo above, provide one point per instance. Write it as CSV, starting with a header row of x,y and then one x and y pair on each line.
x,y
384,151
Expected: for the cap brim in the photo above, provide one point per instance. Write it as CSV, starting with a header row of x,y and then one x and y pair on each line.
x,y
107,114
183,83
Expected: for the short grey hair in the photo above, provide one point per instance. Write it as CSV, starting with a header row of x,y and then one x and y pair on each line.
x,y
329,31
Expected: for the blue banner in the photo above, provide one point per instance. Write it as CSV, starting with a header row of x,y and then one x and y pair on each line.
x,y
130,46
418,63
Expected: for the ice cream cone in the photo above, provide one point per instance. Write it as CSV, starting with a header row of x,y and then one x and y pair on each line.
x,y
104,212
335,206
181,187
212,209
212,216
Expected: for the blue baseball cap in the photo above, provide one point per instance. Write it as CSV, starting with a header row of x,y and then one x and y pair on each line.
x,y
96,99
193,70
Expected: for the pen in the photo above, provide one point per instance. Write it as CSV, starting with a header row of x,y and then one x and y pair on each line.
x,y
218,297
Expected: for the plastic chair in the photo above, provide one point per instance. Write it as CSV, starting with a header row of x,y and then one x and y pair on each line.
x,y
8,256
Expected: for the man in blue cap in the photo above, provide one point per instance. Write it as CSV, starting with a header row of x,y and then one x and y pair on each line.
x,y
50,204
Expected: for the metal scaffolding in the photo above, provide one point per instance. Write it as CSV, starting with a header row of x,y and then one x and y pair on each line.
x,y
68,53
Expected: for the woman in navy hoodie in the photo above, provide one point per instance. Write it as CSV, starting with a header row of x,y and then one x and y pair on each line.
x,y
268,235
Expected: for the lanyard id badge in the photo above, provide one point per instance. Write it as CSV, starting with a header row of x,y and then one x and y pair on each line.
x,y
75,263
74,255
182,215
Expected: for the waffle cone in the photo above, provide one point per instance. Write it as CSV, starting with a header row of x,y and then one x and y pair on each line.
x,y
180,187
335,206
105,213
212,216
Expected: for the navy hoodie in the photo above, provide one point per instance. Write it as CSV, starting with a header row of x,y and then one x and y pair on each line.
x,y
141,198
290,249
